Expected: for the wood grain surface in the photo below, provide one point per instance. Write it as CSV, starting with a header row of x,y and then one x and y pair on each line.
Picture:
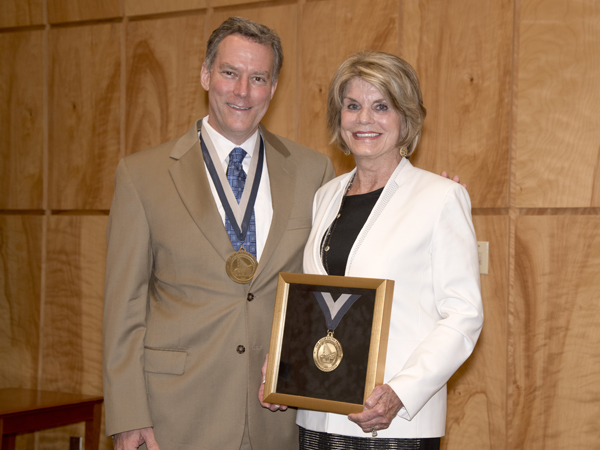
x,y
141,7
219,3
20,288
330,31
19,13
21,120
72,326
554,394
84,122
511,89
281,117
477,392
557,105
462,50
60,11
164,95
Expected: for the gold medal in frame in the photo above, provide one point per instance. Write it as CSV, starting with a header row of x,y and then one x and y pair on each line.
x,y
339,381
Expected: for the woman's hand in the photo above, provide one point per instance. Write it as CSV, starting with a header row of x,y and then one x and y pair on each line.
x,y
261,390
381,408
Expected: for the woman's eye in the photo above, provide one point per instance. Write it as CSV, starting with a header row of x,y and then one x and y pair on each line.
x,y
352,106
381,107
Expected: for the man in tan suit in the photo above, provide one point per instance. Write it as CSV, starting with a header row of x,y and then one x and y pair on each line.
x,y
183,342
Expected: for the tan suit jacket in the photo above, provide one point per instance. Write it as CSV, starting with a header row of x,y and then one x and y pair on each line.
x,y
183,343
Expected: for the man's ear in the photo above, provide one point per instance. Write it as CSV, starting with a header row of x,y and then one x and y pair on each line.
x,y
273,88
205,77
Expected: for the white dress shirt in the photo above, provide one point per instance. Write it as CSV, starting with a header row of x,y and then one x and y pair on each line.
x,y
263,208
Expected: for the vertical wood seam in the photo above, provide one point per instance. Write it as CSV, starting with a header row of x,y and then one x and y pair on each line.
x,y
123,101
45,184
512,223
45,194
299,15
399,30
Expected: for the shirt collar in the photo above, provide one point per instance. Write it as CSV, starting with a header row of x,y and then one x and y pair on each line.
x,y
223,146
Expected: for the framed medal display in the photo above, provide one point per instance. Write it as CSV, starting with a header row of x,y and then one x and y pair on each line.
x,y
328,341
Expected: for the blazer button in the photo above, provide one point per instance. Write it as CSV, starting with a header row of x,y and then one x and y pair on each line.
x,y
241,349
250,297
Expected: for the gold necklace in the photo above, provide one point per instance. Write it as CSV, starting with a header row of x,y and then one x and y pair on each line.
x,y
325,244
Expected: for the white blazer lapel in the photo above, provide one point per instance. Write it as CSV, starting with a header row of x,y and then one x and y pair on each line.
x,y
388,192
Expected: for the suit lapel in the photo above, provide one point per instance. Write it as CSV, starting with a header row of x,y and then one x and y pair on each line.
x,y
282,177
190,179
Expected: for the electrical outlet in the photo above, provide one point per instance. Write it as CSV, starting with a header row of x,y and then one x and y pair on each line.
x,y
483,250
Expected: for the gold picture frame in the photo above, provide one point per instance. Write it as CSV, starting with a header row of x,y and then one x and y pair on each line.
x,y
293,378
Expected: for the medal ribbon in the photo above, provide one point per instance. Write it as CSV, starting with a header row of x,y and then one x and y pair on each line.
x,y
240,232
335,310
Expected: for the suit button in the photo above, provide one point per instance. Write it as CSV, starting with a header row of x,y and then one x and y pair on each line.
x,y
241,349
250,297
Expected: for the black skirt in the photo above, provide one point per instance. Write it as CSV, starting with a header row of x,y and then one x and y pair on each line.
x,y
315,440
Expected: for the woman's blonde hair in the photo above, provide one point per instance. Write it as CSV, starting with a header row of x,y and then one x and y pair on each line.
x,y
397,82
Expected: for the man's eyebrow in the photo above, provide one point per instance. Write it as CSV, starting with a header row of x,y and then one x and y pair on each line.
x,y
263,73
226,66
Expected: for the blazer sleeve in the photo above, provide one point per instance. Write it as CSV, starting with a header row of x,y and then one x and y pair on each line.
x,y
457,297
128,271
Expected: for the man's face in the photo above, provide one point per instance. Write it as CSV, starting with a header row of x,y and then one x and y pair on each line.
x,y
240,87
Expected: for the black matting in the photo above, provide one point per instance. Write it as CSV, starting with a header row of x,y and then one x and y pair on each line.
x,y
305,325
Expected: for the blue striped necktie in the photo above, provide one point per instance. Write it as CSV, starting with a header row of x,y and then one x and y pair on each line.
x,y
237,180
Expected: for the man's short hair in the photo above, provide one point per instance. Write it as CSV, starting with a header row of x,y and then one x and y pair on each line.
x,y
256,32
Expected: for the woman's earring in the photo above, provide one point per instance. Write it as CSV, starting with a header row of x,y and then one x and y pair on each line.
x,y
403,152
346,152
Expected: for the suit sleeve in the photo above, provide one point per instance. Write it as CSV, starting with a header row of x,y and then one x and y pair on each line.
x,y
457,297
128,271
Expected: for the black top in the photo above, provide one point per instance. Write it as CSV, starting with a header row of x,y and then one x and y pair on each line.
x,y
353,215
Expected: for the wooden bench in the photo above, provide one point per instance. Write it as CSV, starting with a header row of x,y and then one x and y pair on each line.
x,y
27,410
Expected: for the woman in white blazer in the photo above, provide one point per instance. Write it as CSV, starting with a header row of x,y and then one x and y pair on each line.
x,y
388,219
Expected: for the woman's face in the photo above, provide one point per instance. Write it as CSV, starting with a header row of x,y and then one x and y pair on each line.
x,y
370,127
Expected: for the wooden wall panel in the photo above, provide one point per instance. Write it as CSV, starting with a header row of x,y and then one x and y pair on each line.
x,y
21,119
84,123
19,13
554,395
58,438
558,138
25,441
20,278
60,11
477,392
281,117
218,3
72,328
462,53
501,98
140,7
329,32
164,94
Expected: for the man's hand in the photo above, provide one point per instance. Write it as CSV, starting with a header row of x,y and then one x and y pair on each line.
x,y
131,440
381,408
454,178
261,390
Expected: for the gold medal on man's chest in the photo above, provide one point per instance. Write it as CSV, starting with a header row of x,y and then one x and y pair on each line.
x,y
241,266
328,353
